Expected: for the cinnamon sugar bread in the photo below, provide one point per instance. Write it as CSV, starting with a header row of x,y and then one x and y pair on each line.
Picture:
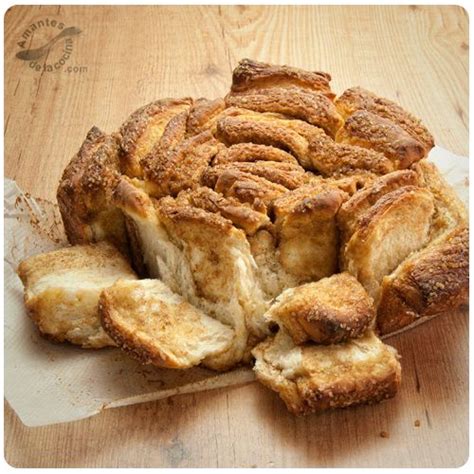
x,y
280,190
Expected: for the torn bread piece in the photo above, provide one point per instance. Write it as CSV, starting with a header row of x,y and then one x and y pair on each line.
x,y
85,192
203,257
310,378
156,326
429,282
62,291
328,311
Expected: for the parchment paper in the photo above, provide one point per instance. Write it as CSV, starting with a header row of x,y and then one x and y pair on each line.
x,y
48,383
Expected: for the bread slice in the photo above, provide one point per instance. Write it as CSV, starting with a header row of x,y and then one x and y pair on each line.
x,y
396,225
168,170
85,192
156,326
311,377
62,291
251,152
328,311
429,282
241,214
450,211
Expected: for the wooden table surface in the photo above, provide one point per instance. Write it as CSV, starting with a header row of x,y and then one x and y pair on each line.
x,y
125,57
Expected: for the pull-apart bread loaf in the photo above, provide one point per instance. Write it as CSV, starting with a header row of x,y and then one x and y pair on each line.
x,y
62,290
266,194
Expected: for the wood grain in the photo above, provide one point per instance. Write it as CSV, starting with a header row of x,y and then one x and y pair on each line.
x,y
415,55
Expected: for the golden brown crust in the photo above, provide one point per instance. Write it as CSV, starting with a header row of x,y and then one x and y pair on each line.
x,y
339,159
251,74
203,115
328,311
173,212
85,192
368,130
450,210
431,281
289,175
312,377
248,188
240,129
144,128
128,195
357,98
312,107
250,152
241,214
167,172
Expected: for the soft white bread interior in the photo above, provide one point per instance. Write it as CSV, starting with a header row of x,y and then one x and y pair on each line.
x,y
328,311
305,220
62,290
203,257
156,326
313,377
396,225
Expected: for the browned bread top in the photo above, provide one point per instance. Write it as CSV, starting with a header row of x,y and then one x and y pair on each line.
x,y
312,107
328,311
143,129
251,74
357,98
85,192
368,130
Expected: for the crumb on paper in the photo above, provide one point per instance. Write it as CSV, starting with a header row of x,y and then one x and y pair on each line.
x,y
417,423
384,434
